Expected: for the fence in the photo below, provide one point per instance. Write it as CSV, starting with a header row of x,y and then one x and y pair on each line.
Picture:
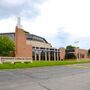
x,y
15,59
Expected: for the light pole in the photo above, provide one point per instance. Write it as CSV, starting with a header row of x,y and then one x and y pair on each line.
x,y
77,53
77,50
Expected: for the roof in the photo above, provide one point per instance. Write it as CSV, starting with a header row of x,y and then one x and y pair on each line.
x,y
28,36
7,33
36,38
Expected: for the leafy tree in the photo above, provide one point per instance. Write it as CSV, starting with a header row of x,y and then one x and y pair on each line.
x,y
70,47
89,52
70,52
6,46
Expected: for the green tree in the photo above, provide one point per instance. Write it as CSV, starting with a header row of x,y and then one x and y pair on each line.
x,y
70,47
89,52
6,46
70,52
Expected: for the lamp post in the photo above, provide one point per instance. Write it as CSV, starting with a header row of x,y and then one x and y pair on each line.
x,y
77,53
77,50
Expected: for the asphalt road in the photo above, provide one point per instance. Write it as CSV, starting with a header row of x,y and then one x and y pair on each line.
x,y
73,77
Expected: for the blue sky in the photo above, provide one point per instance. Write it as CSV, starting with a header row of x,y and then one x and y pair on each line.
x,y
61,22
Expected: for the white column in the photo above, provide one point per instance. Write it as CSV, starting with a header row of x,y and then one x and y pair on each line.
x,y
35,53
54,55
57,55
49,54
45,54
39,54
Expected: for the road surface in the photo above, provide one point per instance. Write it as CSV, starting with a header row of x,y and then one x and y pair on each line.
x,y
71,77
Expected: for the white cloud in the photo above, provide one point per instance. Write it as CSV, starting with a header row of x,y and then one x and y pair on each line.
x,y
12,2
24,8
71,15
7,25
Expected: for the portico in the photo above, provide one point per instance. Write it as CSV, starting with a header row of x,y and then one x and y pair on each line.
x,y
47,54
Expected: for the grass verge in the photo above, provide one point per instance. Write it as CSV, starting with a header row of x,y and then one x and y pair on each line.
x,y
40,64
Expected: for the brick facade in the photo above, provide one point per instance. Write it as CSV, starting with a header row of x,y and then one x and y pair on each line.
x,y
62,53
22,49
37,47
82,53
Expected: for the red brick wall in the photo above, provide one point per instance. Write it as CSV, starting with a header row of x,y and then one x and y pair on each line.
x,y
22,50
85,52
62,53
82,53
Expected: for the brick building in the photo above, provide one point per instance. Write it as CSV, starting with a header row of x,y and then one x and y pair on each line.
x,y
36,47
33,46
77,52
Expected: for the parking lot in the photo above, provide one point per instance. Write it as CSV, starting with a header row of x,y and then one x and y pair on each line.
x,y
70,77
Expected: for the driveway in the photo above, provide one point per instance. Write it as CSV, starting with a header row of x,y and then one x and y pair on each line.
x,y
70,77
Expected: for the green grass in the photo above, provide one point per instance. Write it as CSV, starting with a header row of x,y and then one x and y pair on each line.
x,y
40,64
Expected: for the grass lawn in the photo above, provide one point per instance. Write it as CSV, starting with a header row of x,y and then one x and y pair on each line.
x,y
40,64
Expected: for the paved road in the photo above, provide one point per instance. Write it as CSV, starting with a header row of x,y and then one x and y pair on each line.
x,y
74,77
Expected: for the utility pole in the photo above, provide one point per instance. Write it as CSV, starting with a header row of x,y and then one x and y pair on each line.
x,y
77,50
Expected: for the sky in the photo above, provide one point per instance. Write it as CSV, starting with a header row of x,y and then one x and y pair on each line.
x,y
60,22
